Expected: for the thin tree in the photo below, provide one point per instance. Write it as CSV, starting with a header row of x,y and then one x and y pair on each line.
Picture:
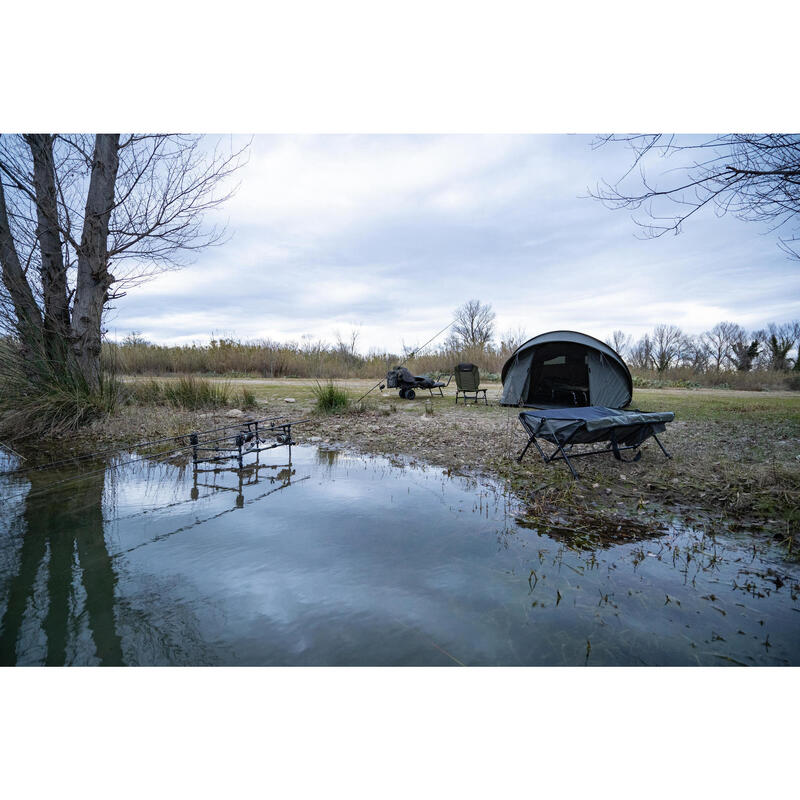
x,y
756,177
474,324
640,354
619,341
718,342
695,353
511,339
668,346
73,207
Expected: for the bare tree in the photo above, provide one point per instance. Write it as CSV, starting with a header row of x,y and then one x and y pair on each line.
x,y
619,341
73,207
695,353
348,346
640,354
668,346
756,177
719,342
511,339
474,324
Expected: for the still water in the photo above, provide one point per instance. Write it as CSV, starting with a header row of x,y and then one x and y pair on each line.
x,y
337,559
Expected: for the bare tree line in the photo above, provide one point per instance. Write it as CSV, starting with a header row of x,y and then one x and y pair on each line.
x,y
727,347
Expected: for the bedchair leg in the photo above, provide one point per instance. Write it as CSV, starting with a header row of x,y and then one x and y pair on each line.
x,y
524,450
569,463
663,450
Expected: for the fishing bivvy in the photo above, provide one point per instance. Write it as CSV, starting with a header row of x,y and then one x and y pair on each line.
x,y
581,389
565,368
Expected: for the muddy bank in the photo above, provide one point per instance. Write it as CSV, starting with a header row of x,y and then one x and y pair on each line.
x,y
732,470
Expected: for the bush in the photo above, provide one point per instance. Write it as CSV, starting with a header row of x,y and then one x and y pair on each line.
x,y
330,398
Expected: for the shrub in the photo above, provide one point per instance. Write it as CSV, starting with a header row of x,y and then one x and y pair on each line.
x,y
330,398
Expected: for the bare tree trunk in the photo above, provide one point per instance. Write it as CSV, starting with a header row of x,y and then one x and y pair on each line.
x,y
94,279
28,317
53,269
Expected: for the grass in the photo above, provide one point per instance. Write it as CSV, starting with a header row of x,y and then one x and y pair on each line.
x,y
190,393
330,397
720,405
40,397
54,409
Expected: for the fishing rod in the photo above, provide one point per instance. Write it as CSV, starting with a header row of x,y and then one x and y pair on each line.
x,y
408,357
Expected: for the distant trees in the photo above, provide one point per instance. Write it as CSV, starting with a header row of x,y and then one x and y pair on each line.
x,y
511,339
474,325
778,341
718,343
756,177
641,354
745,351
620,341
725,347
669,344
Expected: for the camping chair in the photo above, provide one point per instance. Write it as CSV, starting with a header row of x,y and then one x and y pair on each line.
x,y
468,380
565,427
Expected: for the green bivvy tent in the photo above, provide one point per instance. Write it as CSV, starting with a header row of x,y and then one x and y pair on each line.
x,y
566,368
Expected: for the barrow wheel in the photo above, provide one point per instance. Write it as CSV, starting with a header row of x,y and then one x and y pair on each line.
x,y
410,394
403,393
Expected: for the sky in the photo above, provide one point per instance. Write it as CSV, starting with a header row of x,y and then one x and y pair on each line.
x,y
387,235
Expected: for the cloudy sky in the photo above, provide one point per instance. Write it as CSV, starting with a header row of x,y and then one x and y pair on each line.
x,y
388,234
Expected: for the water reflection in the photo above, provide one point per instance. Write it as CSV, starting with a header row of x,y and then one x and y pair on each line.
x,y
327,457
64,575
367,561
67,553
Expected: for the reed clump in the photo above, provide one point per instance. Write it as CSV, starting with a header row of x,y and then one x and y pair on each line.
x,y
330,397
190,393
41,397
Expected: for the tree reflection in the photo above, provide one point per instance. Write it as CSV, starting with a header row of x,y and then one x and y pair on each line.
x,y
68,527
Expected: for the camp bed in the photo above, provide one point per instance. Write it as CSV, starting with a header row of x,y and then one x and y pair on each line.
x,y
566,427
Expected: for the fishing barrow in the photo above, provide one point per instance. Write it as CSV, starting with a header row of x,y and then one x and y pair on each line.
x,y
408,384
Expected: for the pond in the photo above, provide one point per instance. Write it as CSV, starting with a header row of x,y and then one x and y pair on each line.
x,y
339,559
